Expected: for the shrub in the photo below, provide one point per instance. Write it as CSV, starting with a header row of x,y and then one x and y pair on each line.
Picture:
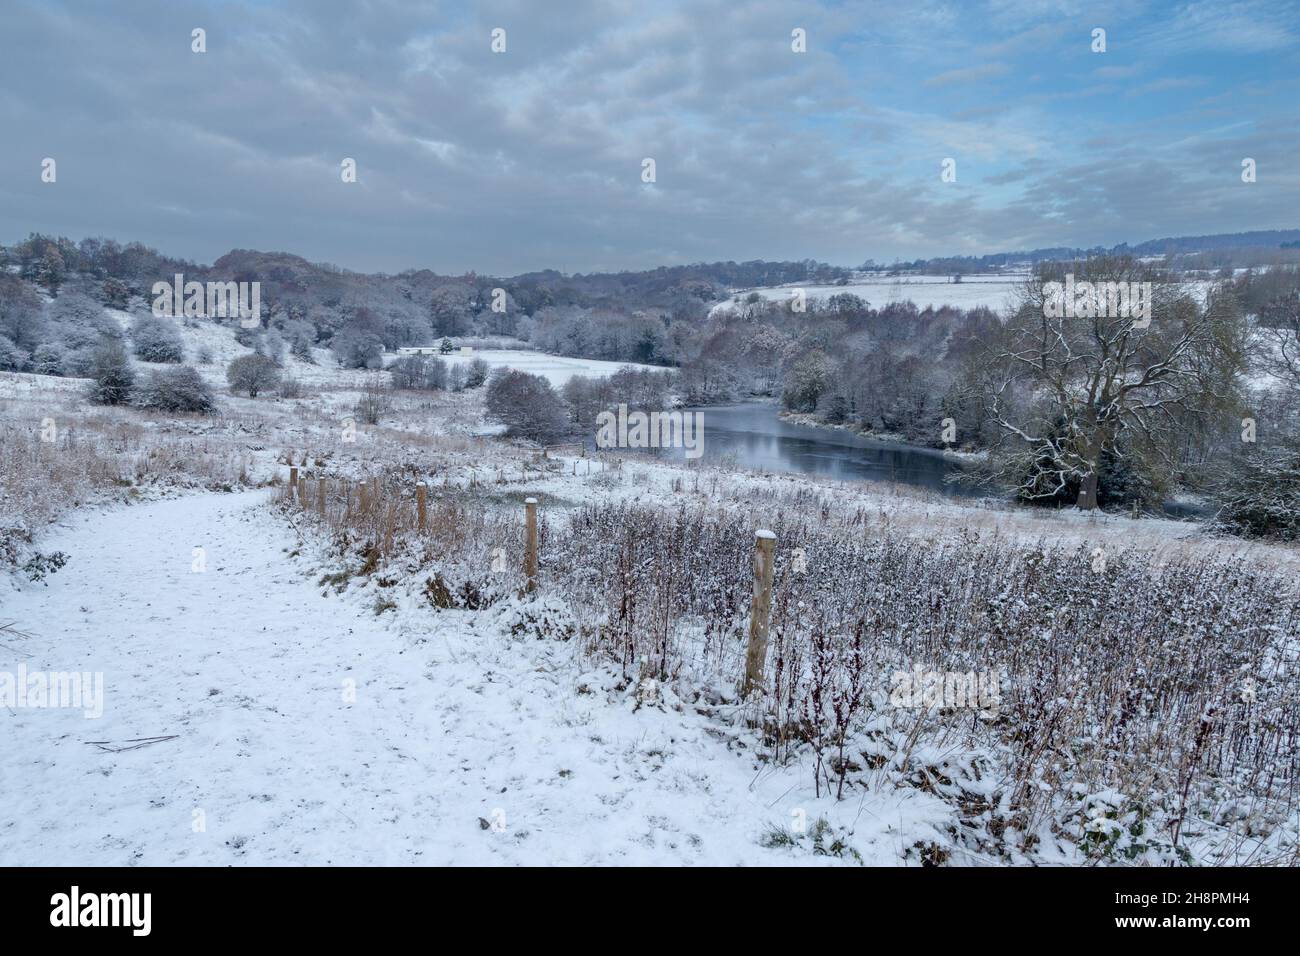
x,y
1261,496
79,362
373,404
477,373
175,390
48,360
157,340
111,370
1120,482
114,293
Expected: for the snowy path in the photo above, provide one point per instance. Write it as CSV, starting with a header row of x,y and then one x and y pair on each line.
x,y
247,663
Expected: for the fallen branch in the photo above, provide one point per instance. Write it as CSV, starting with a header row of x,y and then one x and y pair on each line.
x,y
134,743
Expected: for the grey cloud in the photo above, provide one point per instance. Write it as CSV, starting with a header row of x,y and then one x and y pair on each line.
x,y
532,159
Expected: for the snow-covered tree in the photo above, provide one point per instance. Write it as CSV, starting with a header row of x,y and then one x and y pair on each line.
x,y
1067,386
12,358
22,316
1278,333
810,376
252,374
526,405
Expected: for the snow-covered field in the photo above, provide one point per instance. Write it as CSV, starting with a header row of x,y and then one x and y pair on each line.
x,y
993,291
557,369
218,340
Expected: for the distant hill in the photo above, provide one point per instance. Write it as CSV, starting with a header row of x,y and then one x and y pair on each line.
x,y
1170,245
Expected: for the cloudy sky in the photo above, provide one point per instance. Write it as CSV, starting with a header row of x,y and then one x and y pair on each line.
x,y
533,158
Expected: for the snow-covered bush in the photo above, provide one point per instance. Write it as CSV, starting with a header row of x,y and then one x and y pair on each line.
x,y
157,340
112,374
179,389
477,373
1260,497
79,362
48,359
542,619
1130,676
272,345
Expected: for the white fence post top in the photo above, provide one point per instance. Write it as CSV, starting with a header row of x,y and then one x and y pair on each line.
x,y
530,501
764,533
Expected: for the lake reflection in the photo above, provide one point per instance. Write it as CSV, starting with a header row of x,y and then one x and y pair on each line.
x,y
755,437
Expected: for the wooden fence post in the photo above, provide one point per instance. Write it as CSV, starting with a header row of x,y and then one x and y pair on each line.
x,y
760,610
362,499
421,508
320,497
530,543
293,479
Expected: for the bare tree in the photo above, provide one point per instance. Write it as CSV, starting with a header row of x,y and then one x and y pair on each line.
x,y
1102,357
1278,337
527,405
375,401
